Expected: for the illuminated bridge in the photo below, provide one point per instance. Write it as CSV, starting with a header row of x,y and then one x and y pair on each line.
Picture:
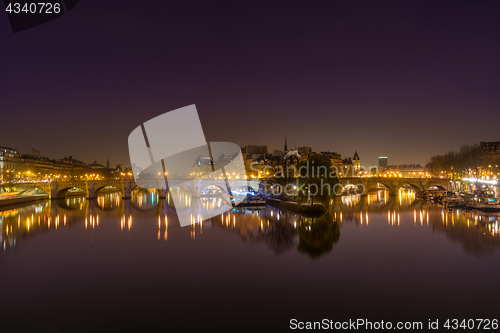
x,y
393,185
91,188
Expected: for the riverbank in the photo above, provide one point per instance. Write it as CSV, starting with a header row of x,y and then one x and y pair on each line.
x,y
15,201
34,198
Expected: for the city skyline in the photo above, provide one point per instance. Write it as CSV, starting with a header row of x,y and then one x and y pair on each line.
x,y
391,80
253,167
126,163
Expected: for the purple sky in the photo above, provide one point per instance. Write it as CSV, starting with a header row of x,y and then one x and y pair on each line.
x,y
403,80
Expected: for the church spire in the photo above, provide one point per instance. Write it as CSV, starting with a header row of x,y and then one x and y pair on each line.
x,y
286,148
356,156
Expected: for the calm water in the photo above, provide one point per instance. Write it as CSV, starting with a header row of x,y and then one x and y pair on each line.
x,y
111,264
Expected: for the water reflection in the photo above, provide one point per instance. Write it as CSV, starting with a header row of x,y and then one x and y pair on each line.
x,y
406,197
350,200
280,230
144,199
109,201
377,198
268,225
317,235
476,231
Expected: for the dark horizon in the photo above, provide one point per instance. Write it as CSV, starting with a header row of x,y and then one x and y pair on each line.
x,y
402,80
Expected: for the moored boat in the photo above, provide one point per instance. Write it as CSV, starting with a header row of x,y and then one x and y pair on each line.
x,y
252,201
485,201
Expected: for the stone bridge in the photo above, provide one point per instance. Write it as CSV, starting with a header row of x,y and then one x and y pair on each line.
x,y
361,186
197,185
393,185
91,188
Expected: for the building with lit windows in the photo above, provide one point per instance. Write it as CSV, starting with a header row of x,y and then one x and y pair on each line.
x,y
34,167
10,163
351,167
490,148
405,171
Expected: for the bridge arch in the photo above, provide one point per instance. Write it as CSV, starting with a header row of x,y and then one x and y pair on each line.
x,y
181,186
376,185
246,188
212,186
351,189
414,187
138,188
62,193
435,186
181,197
100,188
31,191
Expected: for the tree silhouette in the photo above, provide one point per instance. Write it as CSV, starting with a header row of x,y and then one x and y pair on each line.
x,y
316,181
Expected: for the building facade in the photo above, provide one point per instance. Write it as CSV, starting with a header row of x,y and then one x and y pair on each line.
x,y
492,148
10,163
405,171
29,167
382,162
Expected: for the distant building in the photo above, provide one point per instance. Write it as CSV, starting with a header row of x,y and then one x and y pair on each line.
x,y
99,169
37,166
10,163
121,171
356,161
35,152
70,167
382,162
334,158
351,167
252,149
203,165
405,171
250,154
260,165
492,148
14,165
304,151
96,165
72,161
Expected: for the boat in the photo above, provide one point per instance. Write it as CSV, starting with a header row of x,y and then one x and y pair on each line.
x,y
485,201
454,202
252,202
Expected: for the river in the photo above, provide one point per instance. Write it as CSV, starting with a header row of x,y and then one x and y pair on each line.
x,y
111,264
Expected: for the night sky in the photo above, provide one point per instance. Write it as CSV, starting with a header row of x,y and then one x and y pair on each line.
x,y
398,79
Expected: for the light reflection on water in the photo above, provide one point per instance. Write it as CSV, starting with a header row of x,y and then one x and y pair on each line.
x,y
128,264
281,230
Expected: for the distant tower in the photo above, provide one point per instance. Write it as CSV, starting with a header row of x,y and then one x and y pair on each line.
x,y
286,148
356,162
107,164
382,162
